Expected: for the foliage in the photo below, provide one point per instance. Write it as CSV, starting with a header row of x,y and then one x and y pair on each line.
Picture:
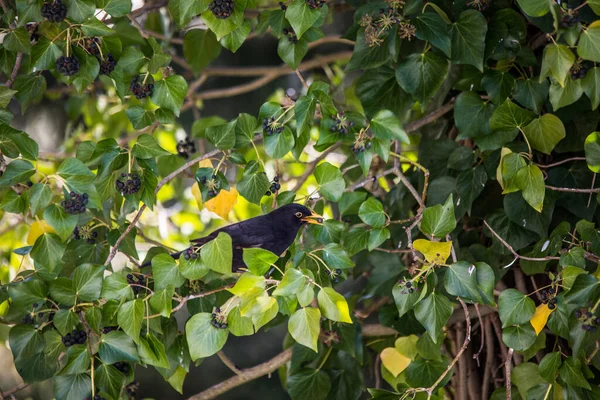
x,y
461,159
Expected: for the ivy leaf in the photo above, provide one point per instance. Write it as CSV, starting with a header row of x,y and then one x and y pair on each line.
x,y
200,47
152,351
218,254
17,171
259,260
588,47
385,125
116,287
545,132
591,86
139,117
515,308
592,151
461,280
60,221
557,62
302,17
309,384
439,220
570,373
131,60
562,96
377,237
290,283
17,40
61,290
304,326
87,282
116,8
330,180
549,366
222,136
540,318
433,313
109,379
48,250
472,115
531,182
72,387
519,337
170,92
432,28
117,346
78,360
532,94
509,116
434,252
498,84
279,144
535,8
166,272
333,305
371,212
335,257
292,53
203,339
235,39
78,10
130,318
183,11
394,361
468,39
147,147
422,75
45,53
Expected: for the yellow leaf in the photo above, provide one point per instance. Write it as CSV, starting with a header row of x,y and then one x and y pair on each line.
x,y
206,163
38,228
197,195
539,319
407,346
393,361
223,203
505,151
434,252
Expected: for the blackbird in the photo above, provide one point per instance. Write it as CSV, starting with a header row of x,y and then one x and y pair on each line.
x,y
274,231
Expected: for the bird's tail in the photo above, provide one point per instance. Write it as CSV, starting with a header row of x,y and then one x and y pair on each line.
x,y
174,255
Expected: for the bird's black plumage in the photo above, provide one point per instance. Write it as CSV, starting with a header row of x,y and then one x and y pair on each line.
x,y
274,231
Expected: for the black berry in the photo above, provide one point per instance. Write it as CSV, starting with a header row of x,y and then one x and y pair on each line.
x,y
54,11
270,126
75,337
107,65
75,203
282,6
314,4
67,66
122,366
130,185
221,9
139,89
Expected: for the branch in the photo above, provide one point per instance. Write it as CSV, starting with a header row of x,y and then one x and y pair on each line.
x,y
560,162
418,124
514,253
507,368
572,190
371,179
15,71
246,375
311,167
228,363
14,390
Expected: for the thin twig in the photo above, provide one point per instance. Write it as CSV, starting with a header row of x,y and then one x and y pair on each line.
x,y
489,359
299,74
507,368
514,253
476,355
572,190
542,166
15,71
14,390
311,167
418,124
228,363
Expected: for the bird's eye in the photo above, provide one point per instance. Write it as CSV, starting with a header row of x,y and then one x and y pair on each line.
x,y
299,214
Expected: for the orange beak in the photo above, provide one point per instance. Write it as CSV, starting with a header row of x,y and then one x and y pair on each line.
x,y
314,219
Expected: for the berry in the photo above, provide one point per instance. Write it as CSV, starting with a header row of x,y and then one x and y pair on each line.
x,y
338,271
282,6
275,178
75,204
122,366
108,329
577,314
551,306
136,283
91,45
139,89
131,185
75,337
409,284
314,4
67,66
411,290
28,319
267,193
270,126
221,9
185,148
108,65
55,11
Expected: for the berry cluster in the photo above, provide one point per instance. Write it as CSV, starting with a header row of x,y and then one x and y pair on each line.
x,y
55,11
92,45
75,337
190,253
407,286
122,366
340,123
590,322
132,388
221,9
136,282
291,35
334,275
186,147
282,6
579,69
271,126
549,297
75,203
218,320
85,232
108,65
360,146
330,338
314,4
108,329
67,66
140,89
129,184
213,185
275,186
27,319
569,19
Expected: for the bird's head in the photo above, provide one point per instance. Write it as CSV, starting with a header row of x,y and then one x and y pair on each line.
x,y
296,215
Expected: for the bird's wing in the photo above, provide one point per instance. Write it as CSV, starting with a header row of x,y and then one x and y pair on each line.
x,y
255,232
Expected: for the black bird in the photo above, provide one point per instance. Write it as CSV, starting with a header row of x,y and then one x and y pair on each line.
x,y
274,231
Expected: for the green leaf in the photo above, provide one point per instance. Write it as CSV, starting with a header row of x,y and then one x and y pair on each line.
x,y
335,257
585,288
468,39
366,56
432,28
290,283
259,260
549,366
562,96
193,269
17,40
333,305
545,132
6,95
246,283
48,250
78,361
87,282
292,53
461,280
45,53
109,379
519,337
532,94
531,182
72,168
498,84
89,68
385,125
166,272
510,116
588,47
183,11
515,308
131,60
304,326
78,10
377,237
592,151
235,39
63,223
161,301
472,115
18,171
535,8
330,180
72,387
200,47
591,86
25,341
203,339
130,318
65,321
116,8
139,117
170,92
301,16
433,313
238,325
31,88
222,136
309,384
147,147
152,351
61,290
557,62
278,145
439,220
570,373
422,75
380,89
218,254
371,212
254,183
304,109
117,346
